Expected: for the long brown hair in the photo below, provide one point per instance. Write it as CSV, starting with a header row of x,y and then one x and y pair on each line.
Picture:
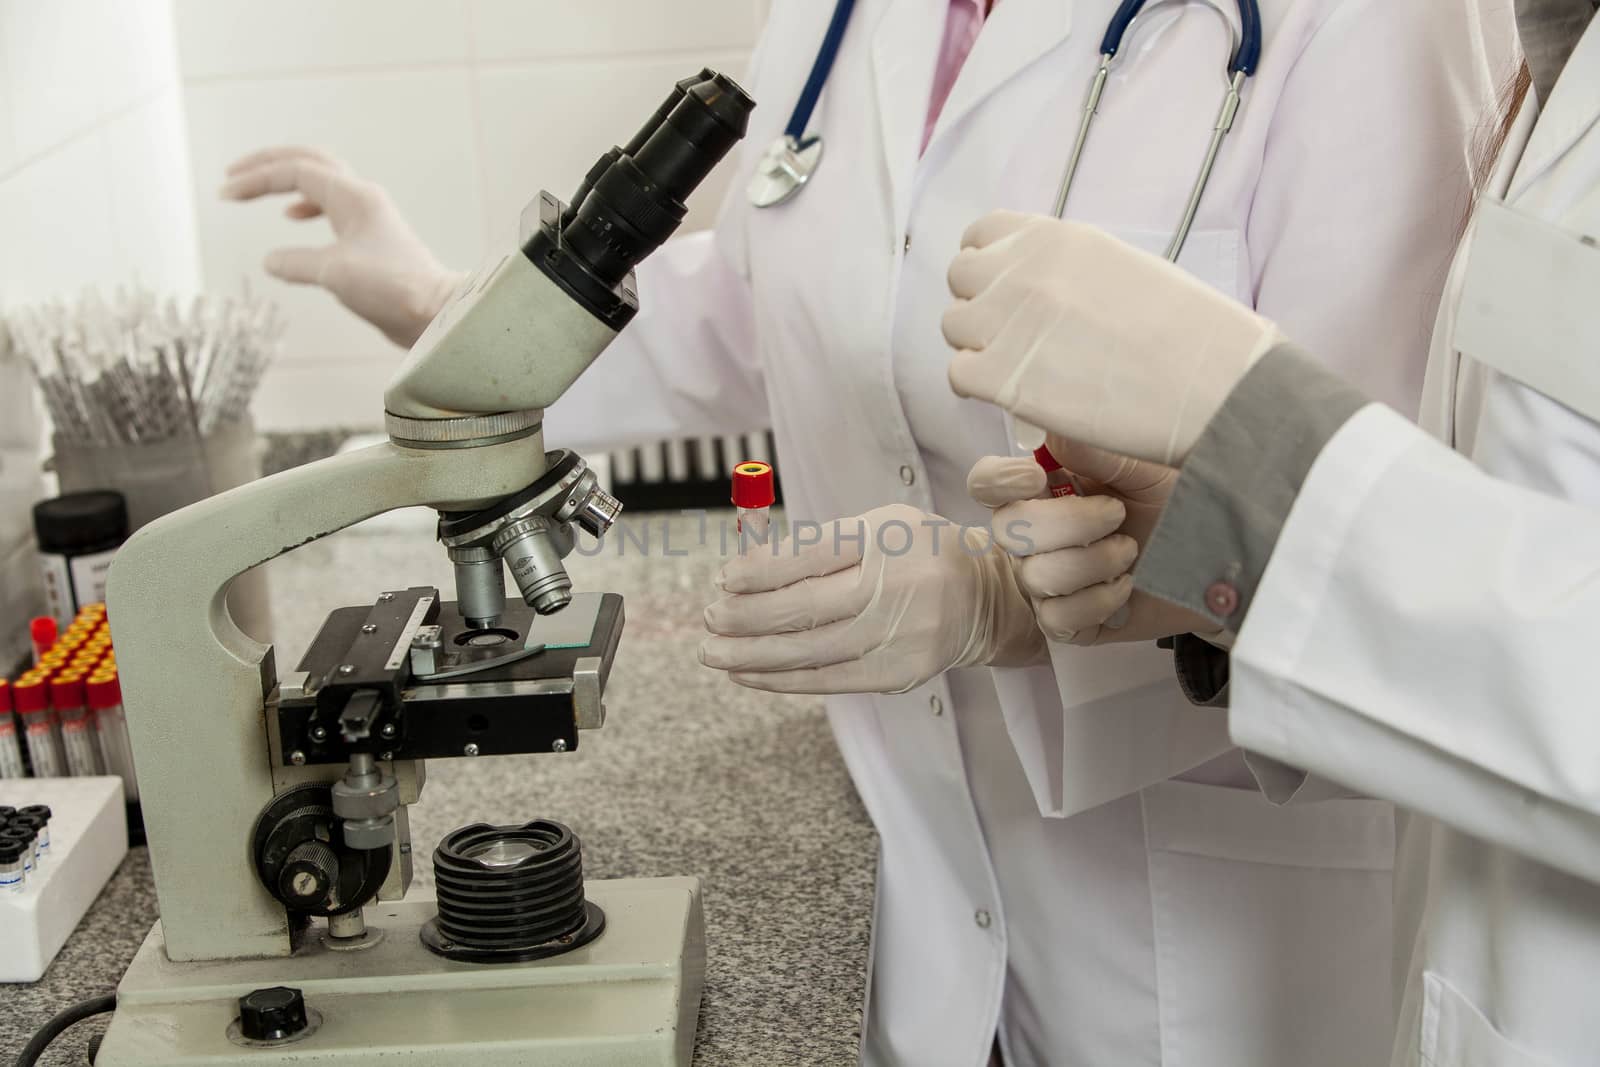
x,y
1492,140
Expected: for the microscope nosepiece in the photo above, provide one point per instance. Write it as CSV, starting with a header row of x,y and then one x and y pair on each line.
x,y
598,512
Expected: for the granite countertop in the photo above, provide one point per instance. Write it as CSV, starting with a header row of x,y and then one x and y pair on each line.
x,y
691,775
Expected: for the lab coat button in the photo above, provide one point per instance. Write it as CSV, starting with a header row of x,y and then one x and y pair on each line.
x,y
908,241
981,917
1222,599
907,475
936,704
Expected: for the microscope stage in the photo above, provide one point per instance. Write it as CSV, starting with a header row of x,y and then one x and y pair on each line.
x,y
529,684
631,997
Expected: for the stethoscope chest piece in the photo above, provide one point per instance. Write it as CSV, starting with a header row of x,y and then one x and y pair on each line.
x,y
784,170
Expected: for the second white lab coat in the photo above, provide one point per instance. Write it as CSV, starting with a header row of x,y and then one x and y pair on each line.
x,y
1426,628
1040,871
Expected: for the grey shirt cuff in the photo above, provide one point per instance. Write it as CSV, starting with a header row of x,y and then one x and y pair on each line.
x,y
1222,522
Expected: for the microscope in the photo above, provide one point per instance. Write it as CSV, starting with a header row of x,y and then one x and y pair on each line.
x,y
275,805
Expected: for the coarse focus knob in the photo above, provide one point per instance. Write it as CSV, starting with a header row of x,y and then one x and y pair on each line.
x,y
273,1014
310,876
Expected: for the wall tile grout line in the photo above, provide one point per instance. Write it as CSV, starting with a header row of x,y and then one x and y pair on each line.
x,y
122,111
703,56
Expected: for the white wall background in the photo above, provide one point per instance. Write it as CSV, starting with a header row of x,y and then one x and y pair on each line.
x,y
94,191
118,117
465,109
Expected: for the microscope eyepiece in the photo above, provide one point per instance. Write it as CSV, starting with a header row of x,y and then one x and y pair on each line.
x,y
633,199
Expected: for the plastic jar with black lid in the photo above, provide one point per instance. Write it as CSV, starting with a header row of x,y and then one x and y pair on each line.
x,y
78,533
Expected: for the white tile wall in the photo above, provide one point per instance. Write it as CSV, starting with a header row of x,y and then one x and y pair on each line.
x,y
152,204
465,109
142,55
314,393
94,191
237,38
53,55
412,131
94,187
537,29
517,166
56,215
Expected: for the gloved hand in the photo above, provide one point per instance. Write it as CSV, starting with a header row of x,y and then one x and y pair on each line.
x,y
1078,333
376,265
881,604
1075,554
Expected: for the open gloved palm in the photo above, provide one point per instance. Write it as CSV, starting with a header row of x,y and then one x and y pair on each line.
x,y
376,266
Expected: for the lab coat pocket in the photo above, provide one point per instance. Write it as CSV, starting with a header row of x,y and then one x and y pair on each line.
x,y
1456,1034
1272,927
1527,305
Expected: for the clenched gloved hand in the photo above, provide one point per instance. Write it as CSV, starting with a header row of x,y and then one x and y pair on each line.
x,y
879,604
1075,554
377,266
1080,334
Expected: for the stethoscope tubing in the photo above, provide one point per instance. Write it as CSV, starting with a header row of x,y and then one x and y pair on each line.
x,y
1241,65
1245,58
821,67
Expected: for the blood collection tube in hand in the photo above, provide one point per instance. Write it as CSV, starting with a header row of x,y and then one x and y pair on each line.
x,y
1055,476
753,494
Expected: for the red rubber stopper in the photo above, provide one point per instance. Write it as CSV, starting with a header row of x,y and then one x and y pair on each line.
x,y
1043,458
104,692
31,696
753,485
66,691
43,632
5,696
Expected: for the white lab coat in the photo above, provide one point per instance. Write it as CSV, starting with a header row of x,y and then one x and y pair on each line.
x,y
1425,628
1145,921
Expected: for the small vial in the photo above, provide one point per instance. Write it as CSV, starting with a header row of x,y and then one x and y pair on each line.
x,y
753,494
105,699
13,878
23,834
1055,476
39,815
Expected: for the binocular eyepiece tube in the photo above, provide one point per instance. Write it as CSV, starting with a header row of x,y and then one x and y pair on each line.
x,y
634,197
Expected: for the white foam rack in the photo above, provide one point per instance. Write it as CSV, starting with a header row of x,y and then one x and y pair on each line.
x,y
88,838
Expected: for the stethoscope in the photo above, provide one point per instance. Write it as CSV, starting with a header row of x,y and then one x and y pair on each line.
x,y
793,158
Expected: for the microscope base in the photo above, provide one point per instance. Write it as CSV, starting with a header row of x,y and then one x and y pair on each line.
x,y
631,997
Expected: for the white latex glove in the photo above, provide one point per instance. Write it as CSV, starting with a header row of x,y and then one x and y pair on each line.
x,y
881,604
1078,333
377,266
1075,554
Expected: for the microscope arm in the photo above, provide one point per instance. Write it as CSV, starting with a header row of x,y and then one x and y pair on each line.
x,y
195,683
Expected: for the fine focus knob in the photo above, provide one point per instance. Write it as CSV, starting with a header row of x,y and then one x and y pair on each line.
x,y
272,1014
310,876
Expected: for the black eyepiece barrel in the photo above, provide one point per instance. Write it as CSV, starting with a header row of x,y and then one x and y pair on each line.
x,y
678,91
633,198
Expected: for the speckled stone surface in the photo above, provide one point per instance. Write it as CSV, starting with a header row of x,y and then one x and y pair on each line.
x,y
691,775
